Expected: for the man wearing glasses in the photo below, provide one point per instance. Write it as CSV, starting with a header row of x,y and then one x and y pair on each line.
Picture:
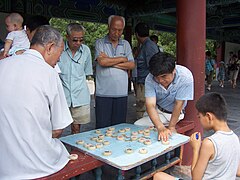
x,y
168,87
75,64
113,58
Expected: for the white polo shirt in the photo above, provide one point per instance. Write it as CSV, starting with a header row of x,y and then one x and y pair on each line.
x,y
32,104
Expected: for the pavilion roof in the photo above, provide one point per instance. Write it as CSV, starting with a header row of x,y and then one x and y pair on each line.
x,y
223,16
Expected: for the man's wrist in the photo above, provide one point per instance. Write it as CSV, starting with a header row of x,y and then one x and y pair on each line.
x,y
160,127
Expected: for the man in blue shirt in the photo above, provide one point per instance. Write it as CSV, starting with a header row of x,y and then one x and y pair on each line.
x,y
147,50
75,64
113,57
168,87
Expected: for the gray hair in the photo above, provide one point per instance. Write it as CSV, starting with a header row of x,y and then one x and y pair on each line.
x,y
46,34
74,27
112,16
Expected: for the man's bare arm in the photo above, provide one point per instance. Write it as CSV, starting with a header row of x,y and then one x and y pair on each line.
x,y
106,61
175,114
163,132
126,65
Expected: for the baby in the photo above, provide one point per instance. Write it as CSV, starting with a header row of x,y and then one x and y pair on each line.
x,y
16,40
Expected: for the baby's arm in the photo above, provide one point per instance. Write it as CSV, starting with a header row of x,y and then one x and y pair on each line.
x,y
238,171
7,46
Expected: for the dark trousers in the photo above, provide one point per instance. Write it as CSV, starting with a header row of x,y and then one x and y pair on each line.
x,y
110,111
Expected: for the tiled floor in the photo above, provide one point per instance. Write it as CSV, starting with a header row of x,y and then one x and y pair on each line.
x,y
232,97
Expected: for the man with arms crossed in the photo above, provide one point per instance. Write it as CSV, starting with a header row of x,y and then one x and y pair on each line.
x,y
168,87
114,57
33,110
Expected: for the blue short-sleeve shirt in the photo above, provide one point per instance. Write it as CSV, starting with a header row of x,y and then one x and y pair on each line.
x,y
73,75
110,81
148,49
181,88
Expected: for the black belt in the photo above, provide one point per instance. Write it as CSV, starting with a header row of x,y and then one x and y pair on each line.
x,y
164,110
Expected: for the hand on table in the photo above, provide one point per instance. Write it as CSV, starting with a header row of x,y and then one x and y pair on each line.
x,y
164,133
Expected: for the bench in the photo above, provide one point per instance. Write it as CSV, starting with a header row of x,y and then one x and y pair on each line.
x,y
183,126
83,164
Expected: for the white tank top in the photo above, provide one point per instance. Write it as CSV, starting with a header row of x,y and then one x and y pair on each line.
x,y
225,162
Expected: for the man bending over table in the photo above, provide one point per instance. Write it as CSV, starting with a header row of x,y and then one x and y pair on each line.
x,y
168,87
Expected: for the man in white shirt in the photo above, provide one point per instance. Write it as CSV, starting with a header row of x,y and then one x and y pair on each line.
x,y
33,110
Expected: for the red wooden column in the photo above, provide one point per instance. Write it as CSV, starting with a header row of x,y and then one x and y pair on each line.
x,y
191,38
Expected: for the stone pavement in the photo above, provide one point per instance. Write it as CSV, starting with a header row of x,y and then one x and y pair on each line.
x,y
232,97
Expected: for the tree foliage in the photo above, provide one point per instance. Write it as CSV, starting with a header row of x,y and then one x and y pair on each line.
x,y
96,30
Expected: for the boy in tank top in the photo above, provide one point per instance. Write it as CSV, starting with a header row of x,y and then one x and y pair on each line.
x,y
218,156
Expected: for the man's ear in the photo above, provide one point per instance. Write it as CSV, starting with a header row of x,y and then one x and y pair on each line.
x,y
49,48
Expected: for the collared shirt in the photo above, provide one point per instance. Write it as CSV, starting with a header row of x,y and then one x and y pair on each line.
x,y
73,75
148,49
180,89
110,81
32,104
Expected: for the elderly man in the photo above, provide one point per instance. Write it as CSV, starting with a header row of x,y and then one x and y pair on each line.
x,y
114,57
75,64
33,110
168,87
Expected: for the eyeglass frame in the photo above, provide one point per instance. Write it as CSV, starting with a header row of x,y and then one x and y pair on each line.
x,y
75,40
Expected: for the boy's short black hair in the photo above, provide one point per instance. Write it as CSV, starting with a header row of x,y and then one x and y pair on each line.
x,y
162,63
214,103
142,30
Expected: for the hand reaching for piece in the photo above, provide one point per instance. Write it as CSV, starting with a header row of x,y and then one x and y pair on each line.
x,y
164,133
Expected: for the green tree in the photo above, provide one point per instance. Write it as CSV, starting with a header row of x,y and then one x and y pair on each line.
x,y
96,30
93,30
167,41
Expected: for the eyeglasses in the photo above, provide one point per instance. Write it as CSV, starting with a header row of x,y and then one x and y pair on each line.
x,y
75,40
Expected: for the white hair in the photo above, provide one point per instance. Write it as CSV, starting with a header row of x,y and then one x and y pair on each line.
x,y
112,16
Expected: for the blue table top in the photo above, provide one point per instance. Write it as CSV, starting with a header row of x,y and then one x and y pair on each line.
x,y
119,158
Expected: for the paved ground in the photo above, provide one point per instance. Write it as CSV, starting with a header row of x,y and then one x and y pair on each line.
x,y
233,100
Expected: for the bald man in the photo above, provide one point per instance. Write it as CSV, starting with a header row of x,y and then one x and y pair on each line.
x,y
113,57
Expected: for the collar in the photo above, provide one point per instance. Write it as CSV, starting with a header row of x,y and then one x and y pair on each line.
x,y
34,53
107,41
175,76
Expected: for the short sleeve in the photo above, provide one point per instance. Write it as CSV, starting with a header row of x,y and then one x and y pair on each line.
x,y
150,87
60,114
88,66
128,52
98,48
185,91
10,36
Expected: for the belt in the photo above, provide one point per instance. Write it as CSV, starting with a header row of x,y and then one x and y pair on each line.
x,y
164,110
